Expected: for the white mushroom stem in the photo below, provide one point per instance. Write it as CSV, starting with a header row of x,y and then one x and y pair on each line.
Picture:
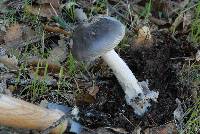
x,y
137,94
80,15
124,75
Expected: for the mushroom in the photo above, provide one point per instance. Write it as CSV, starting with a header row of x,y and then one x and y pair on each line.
x,y
98,37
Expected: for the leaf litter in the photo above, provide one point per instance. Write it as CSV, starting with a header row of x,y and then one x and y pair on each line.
x,y
152,54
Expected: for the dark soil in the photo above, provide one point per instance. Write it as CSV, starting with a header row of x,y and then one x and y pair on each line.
x,y
158,64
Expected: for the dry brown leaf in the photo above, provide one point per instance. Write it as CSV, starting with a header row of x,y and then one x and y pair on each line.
x,y
87,97
84,98
93,91
57,55
12,4
13,36
18,35
5,76
44,10
10,63
28,34
52,68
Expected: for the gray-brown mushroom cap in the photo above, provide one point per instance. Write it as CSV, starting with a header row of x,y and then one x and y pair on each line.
x,y
96,37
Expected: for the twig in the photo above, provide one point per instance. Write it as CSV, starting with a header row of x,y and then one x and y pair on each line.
x,y
53,9
184,58
127,119
56,30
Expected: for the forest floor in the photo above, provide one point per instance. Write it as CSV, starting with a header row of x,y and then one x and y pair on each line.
x,y
36,64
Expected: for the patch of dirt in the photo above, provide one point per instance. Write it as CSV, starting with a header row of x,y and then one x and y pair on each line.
x,y
158,64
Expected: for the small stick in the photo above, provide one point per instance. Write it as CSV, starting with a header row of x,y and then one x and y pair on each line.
x,y
53,9
56,30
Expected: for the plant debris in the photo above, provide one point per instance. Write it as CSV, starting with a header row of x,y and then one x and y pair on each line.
x,y
160,46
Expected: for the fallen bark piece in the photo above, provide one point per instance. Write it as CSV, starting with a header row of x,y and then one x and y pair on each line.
x,y
169,128
18,113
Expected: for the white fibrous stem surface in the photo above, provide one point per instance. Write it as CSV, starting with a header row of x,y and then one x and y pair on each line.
x,y
137,94
80,15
